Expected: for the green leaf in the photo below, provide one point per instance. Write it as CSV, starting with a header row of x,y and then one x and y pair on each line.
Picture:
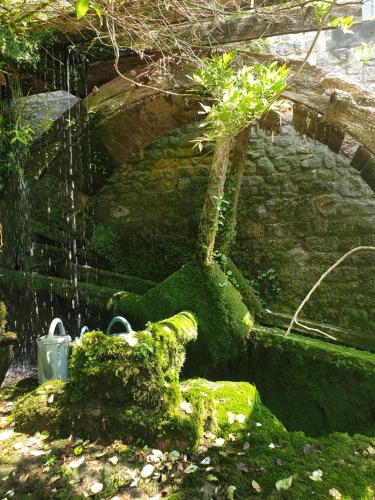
x,y
82,6
98,13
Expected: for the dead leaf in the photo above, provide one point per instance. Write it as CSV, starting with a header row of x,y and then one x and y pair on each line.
x,y
256,486
113,460
230,492
74,464
242,467
316,475
147,471
284,484
96,488
335,493
191,469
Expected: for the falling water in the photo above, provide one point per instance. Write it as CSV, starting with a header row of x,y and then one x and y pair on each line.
x,y
30,311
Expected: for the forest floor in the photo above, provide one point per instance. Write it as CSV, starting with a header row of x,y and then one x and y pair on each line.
x,y
266,463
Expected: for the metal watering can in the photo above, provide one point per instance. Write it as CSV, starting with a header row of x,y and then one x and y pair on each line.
x,y
53,353
128,335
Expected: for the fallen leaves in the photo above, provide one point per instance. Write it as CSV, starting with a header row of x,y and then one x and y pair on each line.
x,y
284,484
230,492
335,493
147,471
219,442
256,486
4,435
96,488
316,475
232,418
191,469
113,460
74,464
186,407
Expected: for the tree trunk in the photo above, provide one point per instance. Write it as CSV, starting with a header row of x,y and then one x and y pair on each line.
x,y
232,190
214,196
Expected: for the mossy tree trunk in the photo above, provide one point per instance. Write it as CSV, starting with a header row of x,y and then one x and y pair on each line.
x,y
232,190
209,222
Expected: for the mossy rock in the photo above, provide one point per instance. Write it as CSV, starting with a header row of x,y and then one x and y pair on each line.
x,y
6,344
224,322
249,297
204,412
43,408
259,449
145,373
129,387
6,353
309,384
3,316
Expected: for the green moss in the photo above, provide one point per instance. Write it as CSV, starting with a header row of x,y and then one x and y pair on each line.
x,y
62,288
44,409
141,382
105,243
107,279
258,449
3,317
6,343
224,322
311,385
146,374
249,297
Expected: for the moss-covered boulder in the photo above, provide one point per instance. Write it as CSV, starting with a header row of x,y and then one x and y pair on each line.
x,y
311,385
206,411
6,344
129,388
224,322
142,371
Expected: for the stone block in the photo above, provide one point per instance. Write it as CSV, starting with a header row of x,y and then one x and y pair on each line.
x,y
349,187
184,183
265,166
282,164
304,149
320,186
329,161
283,141
203,170
169,174
254,180
326,205
184,171
276,179
254,155
312,162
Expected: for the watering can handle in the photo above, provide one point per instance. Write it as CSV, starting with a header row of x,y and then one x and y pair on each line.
x,y
85,329
56,323
122,321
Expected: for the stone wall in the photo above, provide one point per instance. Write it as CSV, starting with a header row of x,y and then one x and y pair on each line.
x,y
301,207
349,53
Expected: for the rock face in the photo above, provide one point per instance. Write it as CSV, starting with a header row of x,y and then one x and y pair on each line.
x,y
301,207
47,106
129,193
